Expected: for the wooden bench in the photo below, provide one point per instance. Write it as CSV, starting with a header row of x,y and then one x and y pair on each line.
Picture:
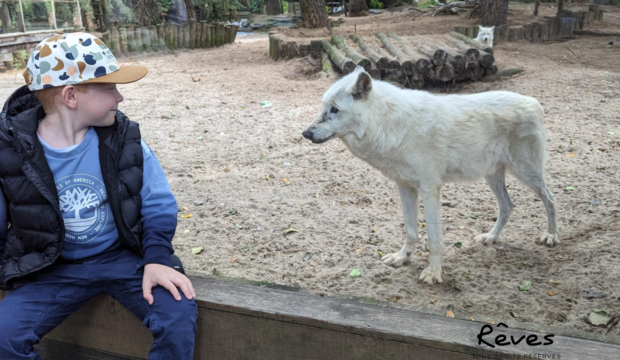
x,y
243,320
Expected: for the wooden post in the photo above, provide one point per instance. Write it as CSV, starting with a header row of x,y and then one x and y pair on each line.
x,y
123,41
461,30
197,35
161,34
192,34
544,31
204,34
527,32
515,33
178,37
131,42
114,42
137,40
186,36
146,39
235,28
210,35
470,32
169,36
535,32
154,37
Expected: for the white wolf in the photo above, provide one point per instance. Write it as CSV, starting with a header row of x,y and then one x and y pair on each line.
x,y
485,36
422,141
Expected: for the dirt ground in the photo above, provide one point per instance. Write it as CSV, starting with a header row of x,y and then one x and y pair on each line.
x,y
242,174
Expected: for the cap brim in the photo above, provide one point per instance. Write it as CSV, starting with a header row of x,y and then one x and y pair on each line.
x,y
124,75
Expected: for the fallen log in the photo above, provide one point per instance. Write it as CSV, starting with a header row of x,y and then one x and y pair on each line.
x,y
381,61
357,58
422,64
344,64
327,65
485,59
406,64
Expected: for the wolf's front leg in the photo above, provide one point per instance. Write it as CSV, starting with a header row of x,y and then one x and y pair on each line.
x,y
432,273
409,200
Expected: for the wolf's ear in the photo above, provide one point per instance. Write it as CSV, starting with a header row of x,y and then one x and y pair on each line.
x,y
362,87
358,69
480,27
492,27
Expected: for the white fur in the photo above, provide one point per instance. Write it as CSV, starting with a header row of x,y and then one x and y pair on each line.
x,y
422,141
485,36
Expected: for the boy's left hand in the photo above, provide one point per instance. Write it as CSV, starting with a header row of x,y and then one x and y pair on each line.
x,y
156,274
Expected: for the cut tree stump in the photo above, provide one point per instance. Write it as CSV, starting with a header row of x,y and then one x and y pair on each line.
x,y
381,61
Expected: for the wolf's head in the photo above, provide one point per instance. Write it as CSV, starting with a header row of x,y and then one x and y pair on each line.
x,y
485,35
340,116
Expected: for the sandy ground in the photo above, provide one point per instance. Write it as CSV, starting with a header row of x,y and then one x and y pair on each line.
x,y
245,174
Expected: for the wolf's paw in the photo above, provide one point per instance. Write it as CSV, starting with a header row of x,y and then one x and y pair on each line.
x,y
431,275
396,259
549,240
486,239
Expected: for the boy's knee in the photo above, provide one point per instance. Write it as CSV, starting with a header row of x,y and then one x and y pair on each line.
x,y
13,342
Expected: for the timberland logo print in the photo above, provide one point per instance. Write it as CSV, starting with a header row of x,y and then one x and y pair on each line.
x,y
84,208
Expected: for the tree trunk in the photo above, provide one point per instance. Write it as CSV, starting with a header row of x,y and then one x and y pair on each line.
x,y
560,7
291,8
313,13
273,7
491,12
191,11
148,13
357,7
536,7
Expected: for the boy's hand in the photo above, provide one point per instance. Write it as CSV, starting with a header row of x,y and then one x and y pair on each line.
x,y
156,274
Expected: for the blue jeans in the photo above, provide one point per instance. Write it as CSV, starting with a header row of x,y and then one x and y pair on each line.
x,y
46,298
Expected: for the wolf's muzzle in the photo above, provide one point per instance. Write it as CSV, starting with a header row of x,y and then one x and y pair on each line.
x,y
308,135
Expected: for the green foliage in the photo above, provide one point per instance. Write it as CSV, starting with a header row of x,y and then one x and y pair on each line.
x,y
374,4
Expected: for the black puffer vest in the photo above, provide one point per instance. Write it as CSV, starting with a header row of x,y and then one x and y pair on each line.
x,y
36,233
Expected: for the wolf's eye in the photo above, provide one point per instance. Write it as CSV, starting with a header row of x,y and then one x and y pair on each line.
x,y
333,110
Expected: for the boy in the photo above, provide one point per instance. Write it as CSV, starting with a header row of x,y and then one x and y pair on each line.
x,y
89,206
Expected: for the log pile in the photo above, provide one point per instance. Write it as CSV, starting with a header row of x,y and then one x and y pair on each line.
x,y
130,40
546,29
411,61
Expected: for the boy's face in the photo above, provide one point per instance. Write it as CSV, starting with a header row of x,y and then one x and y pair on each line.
x,y
98,103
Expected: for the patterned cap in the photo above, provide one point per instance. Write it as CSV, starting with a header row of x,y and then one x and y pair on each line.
x,y
76,58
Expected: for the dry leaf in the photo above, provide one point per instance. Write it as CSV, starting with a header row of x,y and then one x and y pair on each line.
x,y
226,170
285,179
432,292
492,322
186,216
195,79
450,314
570,155
553,281
233,260
312,263
550,293
472,319
184,208
434,301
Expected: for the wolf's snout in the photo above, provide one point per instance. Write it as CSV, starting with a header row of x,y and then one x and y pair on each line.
x,y
308,135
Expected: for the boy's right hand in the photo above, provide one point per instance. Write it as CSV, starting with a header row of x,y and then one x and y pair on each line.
x,y
156,274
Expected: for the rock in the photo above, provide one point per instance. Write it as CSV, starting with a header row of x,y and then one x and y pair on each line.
x,y
375,11
199,202
594,295
446,203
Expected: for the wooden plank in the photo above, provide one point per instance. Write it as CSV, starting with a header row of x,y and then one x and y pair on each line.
x,y
58,350
244,321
